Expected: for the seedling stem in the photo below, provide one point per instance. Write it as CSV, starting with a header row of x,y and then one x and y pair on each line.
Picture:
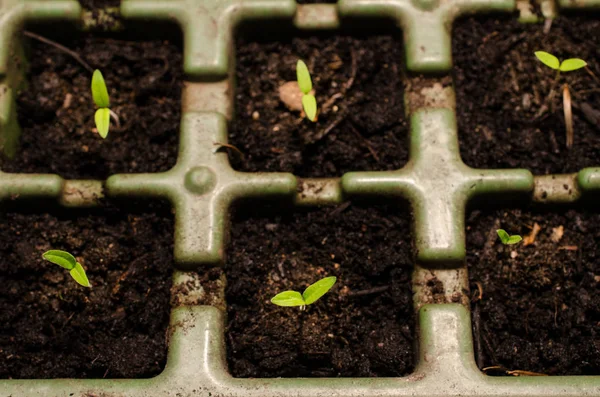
x,y
567,65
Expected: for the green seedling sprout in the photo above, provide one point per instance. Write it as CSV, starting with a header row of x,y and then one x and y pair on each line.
x,y
568,65
309,102
100,95
310,295
507,239
68,261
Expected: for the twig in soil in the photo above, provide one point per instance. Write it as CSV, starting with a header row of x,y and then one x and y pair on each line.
x,y
491,238
117,286
494,367
365,141
329,128
339,209
568,115
518,372
549,101
488,344
226,145
568,248
370,291
60,47
477,331
587,69
330,102
590,114
479,292
66,322
350,81
590,91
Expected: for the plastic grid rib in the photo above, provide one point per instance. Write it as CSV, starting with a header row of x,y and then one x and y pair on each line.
x,y
202,188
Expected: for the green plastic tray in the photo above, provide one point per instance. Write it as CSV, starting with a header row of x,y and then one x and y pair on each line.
x,y
202,188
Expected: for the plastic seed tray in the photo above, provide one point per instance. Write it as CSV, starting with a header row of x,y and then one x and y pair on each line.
x,y
202,188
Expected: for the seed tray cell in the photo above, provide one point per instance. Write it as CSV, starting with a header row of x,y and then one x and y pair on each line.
x,y
202,188
51,329
56,115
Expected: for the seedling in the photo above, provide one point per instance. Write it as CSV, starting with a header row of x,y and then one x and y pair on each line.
x,y
309,102
507,239
310,295
100,95
568,65
68,261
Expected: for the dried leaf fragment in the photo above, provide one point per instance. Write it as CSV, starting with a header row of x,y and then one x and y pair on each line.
x,y
557,233
530,238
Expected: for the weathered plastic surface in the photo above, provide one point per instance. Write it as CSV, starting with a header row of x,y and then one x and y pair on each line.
x,y
203,186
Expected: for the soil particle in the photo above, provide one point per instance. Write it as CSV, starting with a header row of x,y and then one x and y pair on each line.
x,y
50,327
56,112
540,305
359,90
501,88
346,333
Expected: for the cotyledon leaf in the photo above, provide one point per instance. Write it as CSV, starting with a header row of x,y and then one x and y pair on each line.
x,y
318,289
102,118
568,65
78,274
288,298
548,59
303,76
99,90
60,258
309,103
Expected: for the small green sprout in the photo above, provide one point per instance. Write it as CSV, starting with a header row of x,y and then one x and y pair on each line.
x,y
309,102
100,95
568,65
68,261
313,293
507,239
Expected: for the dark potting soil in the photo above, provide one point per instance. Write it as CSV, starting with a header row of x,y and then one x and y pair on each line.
x,y
56,112
540,304
501,88
359,90
91,4
343,334
50,327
